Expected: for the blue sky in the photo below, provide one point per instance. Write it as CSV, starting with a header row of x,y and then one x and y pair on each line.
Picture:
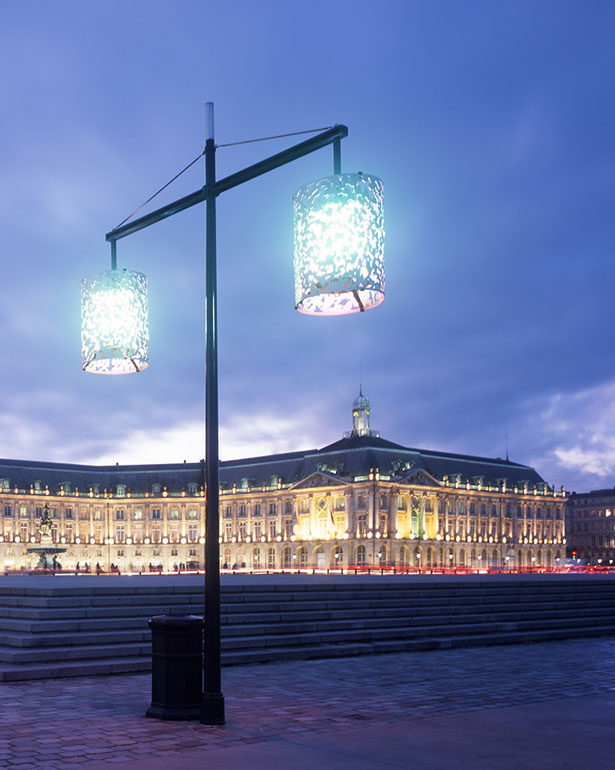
x,y
491,125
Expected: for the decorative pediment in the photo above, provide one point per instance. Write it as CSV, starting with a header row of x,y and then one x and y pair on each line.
x,y
421,478
319,479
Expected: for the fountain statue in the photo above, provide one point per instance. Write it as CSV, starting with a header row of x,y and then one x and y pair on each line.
x,y
47,550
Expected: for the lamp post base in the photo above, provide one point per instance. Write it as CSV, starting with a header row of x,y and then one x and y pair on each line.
x,y
212,708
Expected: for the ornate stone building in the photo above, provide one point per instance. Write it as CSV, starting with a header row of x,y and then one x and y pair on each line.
x,y
361,500
591,527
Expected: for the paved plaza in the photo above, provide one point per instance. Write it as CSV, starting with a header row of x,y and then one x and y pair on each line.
x,y
533,706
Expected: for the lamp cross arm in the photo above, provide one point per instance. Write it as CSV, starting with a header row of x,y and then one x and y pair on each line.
x,y
233,180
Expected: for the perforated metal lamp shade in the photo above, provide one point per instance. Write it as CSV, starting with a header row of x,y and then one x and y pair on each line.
x,y
339,245
114,322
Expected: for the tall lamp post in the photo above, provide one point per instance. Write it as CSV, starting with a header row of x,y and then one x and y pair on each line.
x,y
339,239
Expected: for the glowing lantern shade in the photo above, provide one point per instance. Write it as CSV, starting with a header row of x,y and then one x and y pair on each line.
x,y
339,245
114,329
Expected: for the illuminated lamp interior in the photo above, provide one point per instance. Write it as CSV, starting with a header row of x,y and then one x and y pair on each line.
x,y
114,322
339,245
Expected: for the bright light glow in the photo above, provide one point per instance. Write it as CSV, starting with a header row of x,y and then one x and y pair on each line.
x,y
339,245
114,325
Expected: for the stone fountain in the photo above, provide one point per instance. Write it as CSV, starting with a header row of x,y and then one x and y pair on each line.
x,y
47,550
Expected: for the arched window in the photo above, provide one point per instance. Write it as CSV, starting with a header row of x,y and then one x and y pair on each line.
x,y
404,554
319,557
302,557
271,558
417,557
462,558
382,555
337,556
256,558
361,558
286,558
431,557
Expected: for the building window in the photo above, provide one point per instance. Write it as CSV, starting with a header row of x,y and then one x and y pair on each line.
x,y
156,514
174,513
120,533
193,513
137,514
242,530
288,528
68,513
242,510
271,558
257,529
120,515
272,510
288,507
272,530
23,512
256,510
120,490
174,532
193,489
361,501
382,524
193,532
362,524
228,530
8,511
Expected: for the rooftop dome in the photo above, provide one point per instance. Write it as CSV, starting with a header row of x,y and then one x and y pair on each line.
x,y
361,401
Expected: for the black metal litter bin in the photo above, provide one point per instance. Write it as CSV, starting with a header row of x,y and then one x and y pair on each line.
x,y
177,667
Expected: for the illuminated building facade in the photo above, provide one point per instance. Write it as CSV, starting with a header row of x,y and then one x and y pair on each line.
x,y
591,527
361,500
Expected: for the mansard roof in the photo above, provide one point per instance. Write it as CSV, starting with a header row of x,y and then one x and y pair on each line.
x,y
347,459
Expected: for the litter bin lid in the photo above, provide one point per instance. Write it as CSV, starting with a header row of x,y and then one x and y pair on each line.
x,y
175,621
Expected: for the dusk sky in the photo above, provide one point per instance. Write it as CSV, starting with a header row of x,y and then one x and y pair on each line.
x,y
492,126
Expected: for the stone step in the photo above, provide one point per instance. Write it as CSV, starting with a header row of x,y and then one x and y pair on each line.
x,y
119,636
266,655
53,654
119,665
43,620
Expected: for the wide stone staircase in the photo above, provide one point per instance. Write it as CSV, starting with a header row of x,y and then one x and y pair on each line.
x,y
49,632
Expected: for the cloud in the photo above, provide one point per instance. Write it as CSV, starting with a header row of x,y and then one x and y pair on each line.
x,y
577,434
245,434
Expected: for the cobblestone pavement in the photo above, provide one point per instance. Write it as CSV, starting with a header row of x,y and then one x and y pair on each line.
x,y
67,723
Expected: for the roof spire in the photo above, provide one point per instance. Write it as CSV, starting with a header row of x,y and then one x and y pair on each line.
x,y
360,415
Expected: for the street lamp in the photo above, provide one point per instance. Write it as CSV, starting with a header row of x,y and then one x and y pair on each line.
x,y
339,238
